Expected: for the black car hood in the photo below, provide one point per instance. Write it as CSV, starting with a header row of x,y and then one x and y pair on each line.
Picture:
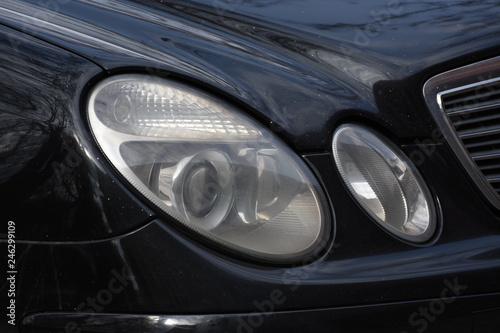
x,y
390,38
300,67
410,34
348,59
405,36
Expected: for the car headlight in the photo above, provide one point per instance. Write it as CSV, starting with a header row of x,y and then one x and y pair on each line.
x,y
209,167
385,183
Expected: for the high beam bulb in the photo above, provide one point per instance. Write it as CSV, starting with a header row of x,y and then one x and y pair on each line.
x,y
385,183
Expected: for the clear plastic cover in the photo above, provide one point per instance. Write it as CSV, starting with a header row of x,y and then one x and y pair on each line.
x,y
208,166
385,183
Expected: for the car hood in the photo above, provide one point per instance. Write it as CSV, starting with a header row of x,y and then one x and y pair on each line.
x,y
403,36
348,59
301,67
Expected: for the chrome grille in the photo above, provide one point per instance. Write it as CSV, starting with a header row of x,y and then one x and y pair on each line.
x,y
475,116
467,108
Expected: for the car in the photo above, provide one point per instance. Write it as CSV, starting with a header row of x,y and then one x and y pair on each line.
x,y
250,166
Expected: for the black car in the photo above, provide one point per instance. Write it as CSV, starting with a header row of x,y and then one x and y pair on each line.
x,y
250,166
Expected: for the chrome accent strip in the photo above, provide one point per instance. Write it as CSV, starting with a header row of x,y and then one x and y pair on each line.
x,y
479,134
473,110
458,80
477,157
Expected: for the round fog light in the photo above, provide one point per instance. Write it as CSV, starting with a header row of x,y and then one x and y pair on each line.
x,y
385,183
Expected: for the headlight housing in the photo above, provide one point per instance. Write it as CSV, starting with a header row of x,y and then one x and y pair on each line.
x,y
209,167
385,183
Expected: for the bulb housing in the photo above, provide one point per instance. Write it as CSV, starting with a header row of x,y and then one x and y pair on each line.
x,y
385,183
209,167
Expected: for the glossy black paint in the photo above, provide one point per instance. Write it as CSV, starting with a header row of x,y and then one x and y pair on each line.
x,y
51,180
344,319
301,68
316,74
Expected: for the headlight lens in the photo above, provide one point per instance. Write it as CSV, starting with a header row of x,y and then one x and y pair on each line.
x,y
210,167
385,183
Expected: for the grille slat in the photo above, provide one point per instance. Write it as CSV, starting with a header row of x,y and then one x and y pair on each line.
x,y
477,97
478,133
493,179
468,120
478,157
473,109
488,168
474,114
482,146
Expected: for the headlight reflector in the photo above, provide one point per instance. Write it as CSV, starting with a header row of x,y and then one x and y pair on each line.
x,y
385,183
209,167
